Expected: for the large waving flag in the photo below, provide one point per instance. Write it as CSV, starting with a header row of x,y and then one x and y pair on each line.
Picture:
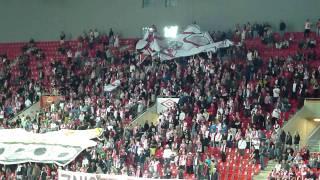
x,y
59,147
190,42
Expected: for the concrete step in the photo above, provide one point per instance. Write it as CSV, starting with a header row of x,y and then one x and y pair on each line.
x,y
150,115
263,175
31,111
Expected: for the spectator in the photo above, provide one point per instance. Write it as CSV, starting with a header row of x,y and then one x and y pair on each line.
x,y
62,37
36,171
282,28
96,34
116,41
242,145
249,56
318,27
296,141
167,153
27,103
289,140
307,28
276,115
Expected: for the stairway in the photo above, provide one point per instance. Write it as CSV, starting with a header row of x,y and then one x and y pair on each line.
x,y
314,146
263,175
31,111
150,115
314,141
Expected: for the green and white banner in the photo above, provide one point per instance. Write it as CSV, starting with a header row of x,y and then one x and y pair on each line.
x,y
59,147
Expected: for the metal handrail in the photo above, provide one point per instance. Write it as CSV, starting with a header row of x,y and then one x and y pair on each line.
x,y
312,99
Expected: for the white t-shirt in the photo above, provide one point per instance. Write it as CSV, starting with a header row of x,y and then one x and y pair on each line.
x,y
242,144
61,105
278,167
85,162
140,150
294,87
217,137
307,25
167,153
132,68
243,35
27,103
182,115
276,92
77,54
81,117
52,108
276,113
53,125
249,56
1,114
35,127
69,54
256,143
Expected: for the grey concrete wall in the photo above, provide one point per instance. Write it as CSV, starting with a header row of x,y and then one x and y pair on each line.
x,y
44,19
302,122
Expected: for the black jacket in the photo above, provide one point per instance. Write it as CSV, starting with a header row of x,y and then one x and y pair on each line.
x,y
296,139
282,26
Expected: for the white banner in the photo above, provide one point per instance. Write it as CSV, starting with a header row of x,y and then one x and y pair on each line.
x,y
60,147
190,42
69,175
166,103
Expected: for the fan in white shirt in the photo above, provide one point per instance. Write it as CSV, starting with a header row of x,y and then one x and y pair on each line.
x,y
256,143
69,54
294,87
276,92
242,144
249,56
217,138
132,68
81,116
52,107
27,103
167,153
276,113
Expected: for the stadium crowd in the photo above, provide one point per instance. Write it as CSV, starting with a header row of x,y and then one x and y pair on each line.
x,y
233,99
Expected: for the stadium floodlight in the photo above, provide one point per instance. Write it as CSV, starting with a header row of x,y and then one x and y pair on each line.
x,y
170,31
316,119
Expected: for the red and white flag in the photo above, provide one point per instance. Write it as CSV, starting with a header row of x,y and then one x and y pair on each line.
x,y
189,42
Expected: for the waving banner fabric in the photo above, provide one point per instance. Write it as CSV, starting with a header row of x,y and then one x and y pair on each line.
x,y
59,147
189,42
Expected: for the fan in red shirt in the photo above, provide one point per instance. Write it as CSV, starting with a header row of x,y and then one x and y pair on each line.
x,y
174,170
189,164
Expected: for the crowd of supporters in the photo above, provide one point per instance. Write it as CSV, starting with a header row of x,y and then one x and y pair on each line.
x,y
232,99
299,164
